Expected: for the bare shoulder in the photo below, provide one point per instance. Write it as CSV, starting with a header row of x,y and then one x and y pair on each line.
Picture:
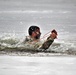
x,y
27,39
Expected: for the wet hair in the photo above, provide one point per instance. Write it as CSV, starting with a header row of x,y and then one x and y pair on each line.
x,y
54,31
32,29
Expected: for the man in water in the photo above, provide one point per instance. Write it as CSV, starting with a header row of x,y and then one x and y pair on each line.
x,y
34,38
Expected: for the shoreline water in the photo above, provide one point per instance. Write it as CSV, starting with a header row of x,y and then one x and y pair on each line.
x,y
21,65
36,53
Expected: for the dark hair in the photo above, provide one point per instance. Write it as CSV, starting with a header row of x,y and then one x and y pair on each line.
x,y
32,28
54,31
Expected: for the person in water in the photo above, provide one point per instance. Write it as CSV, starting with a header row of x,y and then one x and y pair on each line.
x,y
34,38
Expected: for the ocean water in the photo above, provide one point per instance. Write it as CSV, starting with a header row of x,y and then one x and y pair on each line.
x,y
21,65
17,15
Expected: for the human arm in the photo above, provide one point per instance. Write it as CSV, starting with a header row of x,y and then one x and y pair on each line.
x,y
49,40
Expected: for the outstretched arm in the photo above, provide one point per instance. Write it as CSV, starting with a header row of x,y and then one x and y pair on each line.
x,y
49,40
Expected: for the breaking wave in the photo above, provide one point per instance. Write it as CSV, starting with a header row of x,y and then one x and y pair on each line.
x,y
11,43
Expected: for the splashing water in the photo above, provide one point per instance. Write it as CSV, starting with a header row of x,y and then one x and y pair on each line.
x,y
12,43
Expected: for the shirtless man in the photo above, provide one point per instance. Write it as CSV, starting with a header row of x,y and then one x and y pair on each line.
x,y
34,37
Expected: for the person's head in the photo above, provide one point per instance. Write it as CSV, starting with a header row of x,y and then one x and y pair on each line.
x,y
34,32
54,34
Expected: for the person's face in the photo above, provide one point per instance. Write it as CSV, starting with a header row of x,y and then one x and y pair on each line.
x,y
53,35
36,34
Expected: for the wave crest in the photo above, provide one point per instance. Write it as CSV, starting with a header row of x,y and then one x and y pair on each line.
x,y
11,43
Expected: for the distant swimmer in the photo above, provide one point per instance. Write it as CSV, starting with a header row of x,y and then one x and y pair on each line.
x,y
34,38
